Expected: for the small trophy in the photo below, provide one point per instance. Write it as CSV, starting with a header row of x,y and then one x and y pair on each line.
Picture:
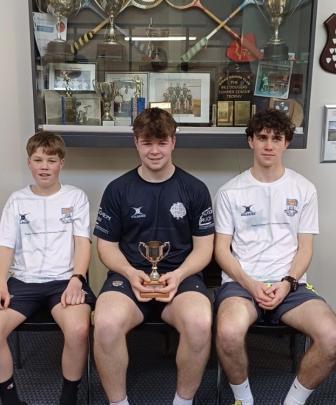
x,y
68,102
107,92
111,48
276,11
59,50
154,251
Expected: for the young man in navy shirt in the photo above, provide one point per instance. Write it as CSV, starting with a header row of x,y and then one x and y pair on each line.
x,y
157,201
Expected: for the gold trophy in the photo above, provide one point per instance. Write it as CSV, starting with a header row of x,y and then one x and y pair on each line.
x,y
275,11
154,251
107,92
59,50
111,47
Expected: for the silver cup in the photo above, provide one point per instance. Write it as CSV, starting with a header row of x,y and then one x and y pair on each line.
x,y
154,251
107,92
275,11
112,9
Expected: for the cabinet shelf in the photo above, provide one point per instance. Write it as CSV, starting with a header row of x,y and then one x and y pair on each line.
x,y
187,137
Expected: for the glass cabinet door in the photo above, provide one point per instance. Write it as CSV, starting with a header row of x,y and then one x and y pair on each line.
x,y
211,63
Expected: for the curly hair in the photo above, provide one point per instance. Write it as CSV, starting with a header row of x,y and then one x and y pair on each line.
x,y
271,119
51,143
154,123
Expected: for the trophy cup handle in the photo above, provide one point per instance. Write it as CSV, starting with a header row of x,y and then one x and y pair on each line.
x,y
142,244
165,245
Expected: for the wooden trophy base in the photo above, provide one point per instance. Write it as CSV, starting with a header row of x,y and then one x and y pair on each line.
x,y
154,294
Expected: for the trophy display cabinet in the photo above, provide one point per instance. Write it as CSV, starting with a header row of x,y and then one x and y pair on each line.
x,y
211,63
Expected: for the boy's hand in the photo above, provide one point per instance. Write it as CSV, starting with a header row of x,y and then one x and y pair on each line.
x,y
136,280
4,296
73,294
172,279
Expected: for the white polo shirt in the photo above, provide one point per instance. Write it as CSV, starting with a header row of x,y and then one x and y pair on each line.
x,y
264,220
41,231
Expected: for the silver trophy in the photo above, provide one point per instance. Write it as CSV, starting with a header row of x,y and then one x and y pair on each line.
x,y
274,12
154,251
107,92
59,9
112,9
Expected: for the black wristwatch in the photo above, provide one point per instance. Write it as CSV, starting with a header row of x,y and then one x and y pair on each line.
x,y
292,281
80,277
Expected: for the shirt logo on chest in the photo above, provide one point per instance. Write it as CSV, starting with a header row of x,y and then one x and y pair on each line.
x,y
67,214
23,219
137,213
292,204
247,210
178,210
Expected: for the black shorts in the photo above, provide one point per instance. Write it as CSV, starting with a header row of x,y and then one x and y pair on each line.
x,y
151,309
302,294
28,298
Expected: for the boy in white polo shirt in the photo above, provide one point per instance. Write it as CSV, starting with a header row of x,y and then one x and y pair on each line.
x,y
265,220
44,257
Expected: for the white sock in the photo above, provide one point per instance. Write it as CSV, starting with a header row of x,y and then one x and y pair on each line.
x,y
123,402
242,392
181,401
298,394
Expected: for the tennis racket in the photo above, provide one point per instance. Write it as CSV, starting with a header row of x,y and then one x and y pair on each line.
x,y
87,37
186,4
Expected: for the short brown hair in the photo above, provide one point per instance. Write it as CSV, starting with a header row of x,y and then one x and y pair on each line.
x,y
275,120
51,143
154,123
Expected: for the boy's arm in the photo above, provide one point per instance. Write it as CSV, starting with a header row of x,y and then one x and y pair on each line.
x,y
299,266
196,261
114,259
74,293
6,258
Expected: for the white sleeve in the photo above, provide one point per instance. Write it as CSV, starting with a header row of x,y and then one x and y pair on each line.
x,y
223,214
81,216
309,215
9,225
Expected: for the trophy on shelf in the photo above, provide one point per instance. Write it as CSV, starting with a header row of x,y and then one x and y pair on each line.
x,y
68,102
275,12
59,50
107,92
154,251
111,48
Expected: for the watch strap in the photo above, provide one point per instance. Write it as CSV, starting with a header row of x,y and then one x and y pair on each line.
x,y
80,277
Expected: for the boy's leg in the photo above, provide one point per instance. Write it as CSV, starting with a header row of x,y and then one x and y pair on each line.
x,y
191,315
315,319
115,315
74,321
9,320
236,312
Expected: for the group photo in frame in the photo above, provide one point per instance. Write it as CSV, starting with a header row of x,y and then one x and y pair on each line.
x,y
328,145
81,76
273,79
128,85
86,108
187,93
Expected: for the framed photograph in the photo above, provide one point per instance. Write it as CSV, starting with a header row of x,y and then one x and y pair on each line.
x,y
128,84
273,79
188,94
328,149
85,108
81,76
